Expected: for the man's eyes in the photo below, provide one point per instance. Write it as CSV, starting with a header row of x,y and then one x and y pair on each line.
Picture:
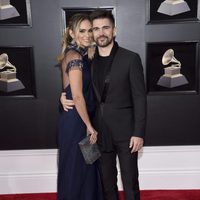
x,y
103,28
95,29
106,27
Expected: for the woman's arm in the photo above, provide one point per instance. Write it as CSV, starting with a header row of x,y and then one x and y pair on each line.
x,y
74,66
75,80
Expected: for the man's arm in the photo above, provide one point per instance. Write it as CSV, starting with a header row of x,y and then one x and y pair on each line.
x,y
138,93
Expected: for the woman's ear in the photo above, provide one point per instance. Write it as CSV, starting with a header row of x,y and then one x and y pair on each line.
x,y
71,33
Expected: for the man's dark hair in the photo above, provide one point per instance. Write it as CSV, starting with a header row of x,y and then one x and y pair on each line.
x,y
102,14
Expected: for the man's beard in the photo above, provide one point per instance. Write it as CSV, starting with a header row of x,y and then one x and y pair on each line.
x,y
105,43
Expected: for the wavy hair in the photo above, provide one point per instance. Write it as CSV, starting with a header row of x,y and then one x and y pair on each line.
x,y
74,25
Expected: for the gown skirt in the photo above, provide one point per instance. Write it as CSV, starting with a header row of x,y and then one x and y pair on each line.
x,y
76,180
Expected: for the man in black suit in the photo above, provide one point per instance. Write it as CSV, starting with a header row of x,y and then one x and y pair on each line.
x,y
118,82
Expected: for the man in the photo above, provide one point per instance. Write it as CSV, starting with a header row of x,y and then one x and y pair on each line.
x,y
118,82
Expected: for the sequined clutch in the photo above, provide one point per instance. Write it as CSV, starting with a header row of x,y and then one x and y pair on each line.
x,y
90,152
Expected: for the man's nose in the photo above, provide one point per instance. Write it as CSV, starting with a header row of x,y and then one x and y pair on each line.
x,y
102,31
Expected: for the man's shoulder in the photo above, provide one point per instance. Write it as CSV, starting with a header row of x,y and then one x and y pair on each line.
x,y
127,52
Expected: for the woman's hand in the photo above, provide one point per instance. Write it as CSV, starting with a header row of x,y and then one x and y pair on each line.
x,y
93,134
66,103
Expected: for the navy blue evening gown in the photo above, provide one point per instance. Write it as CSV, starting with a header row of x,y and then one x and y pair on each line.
x,y
76,180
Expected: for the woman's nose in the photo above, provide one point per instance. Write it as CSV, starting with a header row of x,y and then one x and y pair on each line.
x,y
87,34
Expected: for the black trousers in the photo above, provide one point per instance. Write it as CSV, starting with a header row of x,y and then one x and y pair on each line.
x,y
129,172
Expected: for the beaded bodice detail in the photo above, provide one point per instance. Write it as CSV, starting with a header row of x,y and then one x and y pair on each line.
x,y
76,63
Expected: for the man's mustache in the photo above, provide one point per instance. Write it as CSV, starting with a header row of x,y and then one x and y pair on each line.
x,y
102,36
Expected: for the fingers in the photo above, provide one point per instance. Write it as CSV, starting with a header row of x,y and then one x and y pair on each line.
x,y
65,109
92,133
136,144
69,102
66,103
66,106
134,147
93,138
63,97
131,143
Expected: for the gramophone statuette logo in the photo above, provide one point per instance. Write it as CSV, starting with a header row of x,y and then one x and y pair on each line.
x,y
172,76
7,11
173,7
8,80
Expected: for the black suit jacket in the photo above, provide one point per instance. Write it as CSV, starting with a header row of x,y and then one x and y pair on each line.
x,y
124,110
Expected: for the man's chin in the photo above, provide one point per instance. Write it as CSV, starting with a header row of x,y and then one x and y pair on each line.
x,y
102,44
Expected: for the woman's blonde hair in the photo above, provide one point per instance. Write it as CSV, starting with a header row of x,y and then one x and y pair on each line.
x,y
74,24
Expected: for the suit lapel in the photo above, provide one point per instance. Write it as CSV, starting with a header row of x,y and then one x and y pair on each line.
x,y
113,68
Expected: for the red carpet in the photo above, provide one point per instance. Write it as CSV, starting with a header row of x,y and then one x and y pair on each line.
x,y
145,195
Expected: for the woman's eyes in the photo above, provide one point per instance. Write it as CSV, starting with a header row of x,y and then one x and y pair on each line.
x,y
84,31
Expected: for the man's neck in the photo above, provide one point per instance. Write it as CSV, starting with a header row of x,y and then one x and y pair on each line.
x,y
105,51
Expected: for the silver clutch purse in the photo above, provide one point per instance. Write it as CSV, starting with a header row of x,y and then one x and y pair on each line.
x,y
90,152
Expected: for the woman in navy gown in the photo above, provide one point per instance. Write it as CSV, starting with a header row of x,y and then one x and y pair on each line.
x,y
77,180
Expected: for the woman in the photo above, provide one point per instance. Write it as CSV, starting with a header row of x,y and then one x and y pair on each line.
x,y
76,180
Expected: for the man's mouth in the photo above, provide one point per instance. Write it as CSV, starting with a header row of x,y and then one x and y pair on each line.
x,y
102,38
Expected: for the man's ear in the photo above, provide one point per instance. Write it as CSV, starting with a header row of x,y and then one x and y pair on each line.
x,y
114,32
